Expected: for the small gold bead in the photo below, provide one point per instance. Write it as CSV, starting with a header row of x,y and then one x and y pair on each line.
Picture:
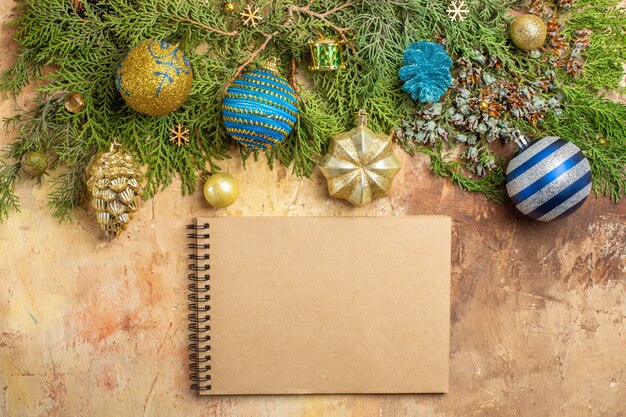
x,y
483,106
74,103
230,7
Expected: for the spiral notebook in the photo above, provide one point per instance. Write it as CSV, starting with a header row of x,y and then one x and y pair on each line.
x,y
311,305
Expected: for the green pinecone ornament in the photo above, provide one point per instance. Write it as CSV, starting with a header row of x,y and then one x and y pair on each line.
x,y
114,185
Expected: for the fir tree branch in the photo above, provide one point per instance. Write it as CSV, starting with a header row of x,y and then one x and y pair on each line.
x,y
251,58
293,9
207,27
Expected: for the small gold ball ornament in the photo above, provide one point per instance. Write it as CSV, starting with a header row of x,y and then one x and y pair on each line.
x,y
483,106
154,78
528,32
34,163
221,190
230,7
74,103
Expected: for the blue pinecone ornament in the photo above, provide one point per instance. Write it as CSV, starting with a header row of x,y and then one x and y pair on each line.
x,y
426,71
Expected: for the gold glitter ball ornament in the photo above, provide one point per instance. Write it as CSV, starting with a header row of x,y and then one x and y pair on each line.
x,y
528,32
114,186
74,103
154,78
360,165
221,190
230,7
483,106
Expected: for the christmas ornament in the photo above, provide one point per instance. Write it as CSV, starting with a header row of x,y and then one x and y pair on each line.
x,y
74,103
230,7
458,11
426,71
360,165
221,190
180,135
34,163
250,16
548,179
326,55
528,32
260,108
114,187
154,78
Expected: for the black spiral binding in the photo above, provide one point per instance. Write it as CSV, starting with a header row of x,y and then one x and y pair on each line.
x,y
199,296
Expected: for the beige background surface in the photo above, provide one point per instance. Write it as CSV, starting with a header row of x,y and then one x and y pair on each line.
x,y
90,328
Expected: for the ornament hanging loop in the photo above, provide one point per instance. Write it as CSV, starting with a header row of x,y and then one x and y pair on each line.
x,y
521,141
116,146
362,118
272,65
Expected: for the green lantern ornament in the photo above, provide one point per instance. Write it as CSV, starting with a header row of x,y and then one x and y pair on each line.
x,y
326,55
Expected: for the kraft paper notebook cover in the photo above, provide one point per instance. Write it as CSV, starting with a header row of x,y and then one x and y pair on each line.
x,y
303,305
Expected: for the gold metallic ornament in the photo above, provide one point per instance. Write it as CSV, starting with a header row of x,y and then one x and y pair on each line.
x,y
74,103
360,165
528,32
230,7
221,190
154,78
483,106
34,163
114,185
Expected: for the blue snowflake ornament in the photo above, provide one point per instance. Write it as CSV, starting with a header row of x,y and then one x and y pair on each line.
x,y
426,71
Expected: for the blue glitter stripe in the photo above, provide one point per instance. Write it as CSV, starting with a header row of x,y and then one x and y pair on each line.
x,y
250,120
247,97
536,159
571,209
247,86
245,107
268,76
551,176
266,117
279,127
266,97
277,82
561,197
259,129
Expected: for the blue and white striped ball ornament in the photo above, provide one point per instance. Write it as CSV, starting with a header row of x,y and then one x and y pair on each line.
x,y
260,108
548,179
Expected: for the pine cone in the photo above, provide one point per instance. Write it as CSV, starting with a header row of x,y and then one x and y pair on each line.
x,y
114,187
426,72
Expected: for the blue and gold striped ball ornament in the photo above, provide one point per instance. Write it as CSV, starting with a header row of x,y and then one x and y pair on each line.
x,y
154,78
548,179
260,108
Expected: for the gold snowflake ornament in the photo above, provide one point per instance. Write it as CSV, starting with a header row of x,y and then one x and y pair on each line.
x,y
180,135
458,11
251,17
